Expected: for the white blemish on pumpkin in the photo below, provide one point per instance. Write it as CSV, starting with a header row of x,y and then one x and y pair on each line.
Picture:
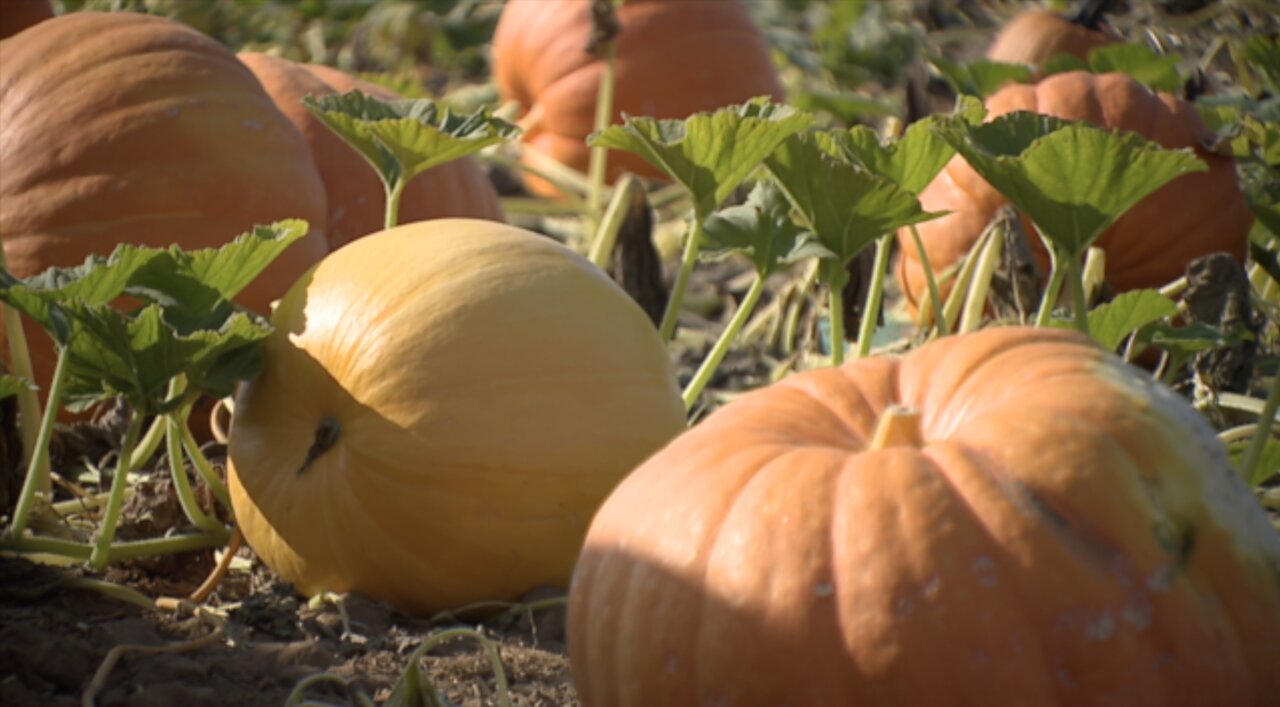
x,y
671,664
1102,629
251,124
822,590
1162,578
1137,615
984,569
931,587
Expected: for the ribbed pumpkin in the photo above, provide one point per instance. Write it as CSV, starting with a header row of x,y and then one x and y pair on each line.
x,y
672,58
1194,215
129,128
355,194
17,15
1034,36
483,387
1036,524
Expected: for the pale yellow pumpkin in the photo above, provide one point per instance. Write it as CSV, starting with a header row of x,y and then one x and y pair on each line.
x,y
487,388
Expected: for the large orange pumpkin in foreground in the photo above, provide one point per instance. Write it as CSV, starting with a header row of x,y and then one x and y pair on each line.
x,y
1012,517
672,58
129,128
356,198
1194,215
444,406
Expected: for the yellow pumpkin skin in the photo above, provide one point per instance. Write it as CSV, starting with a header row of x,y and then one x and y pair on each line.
x,y
356,197
672,58
491,388
130,128
1150,245
1063,533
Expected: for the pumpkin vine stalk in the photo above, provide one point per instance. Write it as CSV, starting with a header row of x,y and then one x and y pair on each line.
x,y
721,347
38,468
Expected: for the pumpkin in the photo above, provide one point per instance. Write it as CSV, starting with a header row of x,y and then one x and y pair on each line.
x,y
482,389
1009,517
1194,215
672,58
17,15
356,198
1034,36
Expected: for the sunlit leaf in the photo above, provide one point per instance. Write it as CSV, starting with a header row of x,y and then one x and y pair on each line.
x,y
1073,180
1112,322
761,228
1139,62
981,77
709,154
911,161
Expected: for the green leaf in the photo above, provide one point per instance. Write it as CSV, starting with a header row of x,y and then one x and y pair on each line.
x,y
981,77
1073,180
1262,54
1112,322
12,385
1192,338
762,228
402,138
195,287
1268,464
846,207
1062,63
134,356
709,154
911,161
1139,62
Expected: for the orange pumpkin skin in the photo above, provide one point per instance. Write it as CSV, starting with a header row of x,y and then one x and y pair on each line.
x,y
1037,35
17,15
356,198
1194,215
129,128
672,58
1067,533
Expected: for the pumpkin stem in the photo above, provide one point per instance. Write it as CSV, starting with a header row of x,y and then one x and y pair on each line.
x,y
327,433
898,426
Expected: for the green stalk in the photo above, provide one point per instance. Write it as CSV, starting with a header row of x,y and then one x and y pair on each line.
x,y
1254,451
173,545
49,546
181,482
111,516
717,353
1080,304
960,285
149,443
28,401
600,156
835,314
940,321
606,234
395,189
792,321
687,261
38,469
1051,290
867,327
502,692
110,589
202,465
975,303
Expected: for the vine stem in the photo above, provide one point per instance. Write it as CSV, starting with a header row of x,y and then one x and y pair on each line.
x,y
28,401
940,321
107,530
36,478
182,482
1051,290
717,353
1254,451
395,190
203,467
599,157
687,261
875,293
975,303
1080,305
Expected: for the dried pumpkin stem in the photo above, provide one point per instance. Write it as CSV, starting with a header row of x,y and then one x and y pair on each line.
x,y
327,434
875,293
898,426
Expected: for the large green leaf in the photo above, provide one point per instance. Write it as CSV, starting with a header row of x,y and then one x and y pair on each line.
x,y
709,154
402,138
134,356
1073,180
981,77
1268,463
195,287
761,228
1110,323
911,161
846,207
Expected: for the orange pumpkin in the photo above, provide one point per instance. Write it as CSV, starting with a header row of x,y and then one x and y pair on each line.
x,y
17,15
1011,517
130,128
356,198
1194,215
1034,36
672,58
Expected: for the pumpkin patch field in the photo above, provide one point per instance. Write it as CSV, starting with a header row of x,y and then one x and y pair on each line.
x,y
639,353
